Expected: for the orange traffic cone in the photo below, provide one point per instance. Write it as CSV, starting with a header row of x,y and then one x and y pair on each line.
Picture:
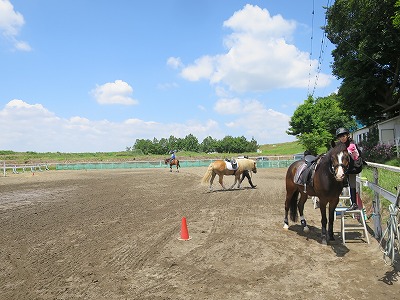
x,y
184,231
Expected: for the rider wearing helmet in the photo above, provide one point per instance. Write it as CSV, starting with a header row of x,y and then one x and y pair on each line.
x,y
173,155
355,166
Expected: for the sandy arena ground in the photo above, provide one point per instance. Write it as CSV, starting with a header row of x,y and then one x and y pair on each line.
x,y
113,234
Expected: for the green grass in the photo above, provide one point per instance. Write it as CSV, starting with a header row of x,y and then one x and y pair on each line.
x,y
387,180
282,149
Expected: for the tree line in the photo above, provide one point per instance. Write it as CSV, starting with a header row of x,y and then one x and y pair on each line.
x,y
190,143
366,34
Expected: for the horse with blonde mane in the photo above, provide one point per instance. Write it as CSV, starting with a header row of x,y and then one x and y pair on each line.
x,y
220,168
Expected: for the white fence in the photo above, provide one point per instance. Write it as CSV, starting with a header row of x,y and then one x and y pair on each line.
x,y
24,168
379,191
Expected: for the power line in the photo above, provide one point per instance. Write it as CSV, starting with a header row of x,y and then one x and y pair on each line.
x,y
321,52
311,47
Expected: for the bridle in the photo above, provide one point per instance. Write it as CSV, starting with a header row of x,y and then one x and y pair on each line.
x,y
334,167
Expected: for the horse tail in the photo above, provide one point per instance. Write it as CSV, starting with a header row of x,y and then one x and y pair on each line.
x,y
207,175
179,165
293,206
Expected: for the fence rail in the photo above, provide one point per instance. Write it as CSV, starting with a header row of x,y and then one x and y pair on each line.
x,y
160,164
378,191
15,169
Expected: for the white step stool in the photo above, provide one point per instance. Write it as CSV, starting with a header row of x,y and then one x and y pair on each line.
x,y
353,227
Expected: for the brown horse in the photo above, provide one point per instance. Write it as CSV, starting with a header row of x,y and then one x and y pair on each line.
x,y
173,162
327,186
220,168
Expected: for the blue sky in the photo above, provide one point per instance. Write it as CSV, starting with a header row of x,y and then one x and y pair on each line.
x,y
95,75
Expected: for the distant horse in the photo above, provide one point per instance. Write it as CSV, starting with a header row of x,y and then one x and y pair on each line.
x,y
173,162
219,167
327,186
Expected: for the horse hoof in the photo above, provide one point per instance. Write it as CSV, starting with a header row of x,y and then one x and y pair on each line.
x,y
324,242
306,229
286,226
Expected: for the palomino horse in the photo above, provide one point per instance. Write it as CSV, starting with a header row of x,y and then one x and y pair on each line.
x,y
173,162
327,186
219,168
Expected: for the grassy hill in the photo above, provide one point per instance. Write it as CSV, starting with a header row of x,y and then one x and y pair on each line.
x,y
283,149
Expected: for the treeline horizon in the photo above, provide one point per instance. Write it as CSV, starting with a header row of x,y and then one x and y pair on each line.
x,y
163,146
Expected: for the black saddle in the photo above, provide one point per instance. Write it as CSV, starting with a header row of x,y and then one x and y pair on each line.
x,y
308,172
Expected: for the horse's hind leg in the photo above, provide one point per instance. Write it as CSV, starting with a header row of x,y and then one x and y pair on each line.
x,y
290,196
302,201
221,182
212,180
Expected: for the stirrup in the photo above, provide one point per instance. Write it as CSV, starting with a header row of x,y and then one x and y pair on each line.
x,y
305,188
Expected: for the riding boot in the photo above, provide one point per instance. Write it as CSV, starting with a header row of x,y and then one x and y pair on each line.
x,y
353,198
251,183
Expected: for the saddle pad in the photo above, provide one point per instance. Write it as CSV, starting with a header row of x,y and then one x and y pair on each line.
x,y
299,170
229,166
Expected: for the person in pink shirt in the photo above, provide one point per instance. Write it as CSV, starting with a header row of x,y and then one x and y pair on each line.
x,y
355,166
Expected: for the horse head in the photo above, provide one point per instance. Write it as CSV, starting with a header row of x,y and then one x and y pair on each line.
x,y
339,161
254,170
167,160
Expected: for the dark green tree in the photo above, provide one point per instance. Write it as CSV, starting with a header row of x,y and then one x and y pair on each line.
x,y
143,144
190,143
314,122
208,145
396,17
366,57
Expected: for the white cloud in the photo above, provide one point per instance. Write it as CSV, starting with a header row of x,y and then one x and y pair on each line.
x,y
251,117
174,62
202,68
11,23
31,127
259,55
118,92
228,106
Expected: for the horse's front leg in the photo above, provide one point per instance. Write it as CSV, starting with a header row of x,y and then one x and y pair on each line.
x,y
236,180
170,168
331,220
324,221
302,201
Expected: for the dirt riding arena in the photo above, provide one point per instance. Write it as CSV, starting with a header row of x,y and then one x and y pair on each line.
x,y
113,234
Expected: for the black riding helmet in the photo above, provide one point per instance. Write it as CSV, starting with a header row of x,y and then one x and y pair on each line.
x,y
341,130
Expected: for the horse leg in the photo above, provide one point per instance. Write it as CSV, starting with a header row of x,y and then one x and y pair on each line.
x,y
170,167
330,224
236,180
290,205
212,180
302,201
286,220
221,182
324,221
